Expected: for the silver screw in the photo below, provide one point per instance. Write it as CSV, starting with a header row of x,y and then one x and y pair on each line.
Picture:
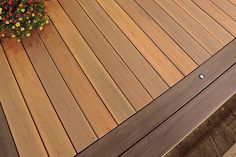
x,y
201,76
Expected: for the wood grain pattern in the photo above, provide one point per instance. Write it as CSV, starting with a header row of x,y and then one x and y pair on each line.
x,y
63,101
227,7
130,132
7,145
191,26
45,117
115,66
221,17
184,63
149,50
94,109
233,2
21,124
196,51
131,56
231,152
163,138
206,21
116,102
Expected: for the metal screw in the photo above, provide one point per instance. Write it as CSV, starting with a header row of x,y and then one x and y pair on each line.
x,y
201,76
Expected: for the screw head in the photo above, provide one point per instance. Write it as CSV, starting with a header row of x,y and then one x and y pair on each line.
x,y
201,76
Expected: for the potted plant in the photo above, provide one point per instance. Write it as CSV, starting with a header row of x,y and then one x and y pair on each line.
x,y
19,17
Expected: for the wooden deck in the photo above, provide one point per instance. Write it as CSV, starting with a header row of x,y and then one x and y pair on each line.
x,y
99,62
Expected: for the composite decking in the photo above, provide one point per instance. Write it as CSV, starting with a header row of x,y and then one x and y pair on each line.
x,y
97,63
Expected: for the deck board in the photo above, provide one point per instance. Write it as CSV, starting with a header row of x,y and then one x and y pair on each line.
x,y
95,110
109,58
99,62
227,7
67,108
46,119
233,2
116,102
205,21
18,116
159,37
134,60
149,50
192,47
216,13
7,145
191,26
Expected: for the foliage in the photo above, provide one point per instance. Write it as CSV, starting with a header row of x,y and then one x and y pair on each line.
x,y
19,17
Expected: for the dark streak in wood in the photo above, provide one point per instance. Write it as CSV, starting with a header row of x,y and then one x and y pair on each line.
x,y
7,146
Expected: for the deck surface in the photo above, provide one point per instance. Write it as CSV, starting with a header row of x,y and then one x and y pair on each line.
x,y
98,62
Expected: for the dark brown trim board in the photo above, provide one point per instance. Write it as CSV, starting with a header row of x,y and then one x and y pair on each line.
x,y
178,126
127,136
7,145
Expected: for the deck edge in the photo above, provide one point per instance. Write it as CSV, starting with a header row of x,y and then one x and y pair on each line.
x,y
129,132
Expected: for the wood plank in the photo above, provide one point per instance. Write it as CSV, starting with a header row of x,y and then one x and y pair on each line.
x,y
24,132
206,21
167,135
7,145
51,130
63,101
114,99
191,26
188,44
227,7
130,132
233,1
115,66
149,50
136,62
231,152
221,17
94,109
184,63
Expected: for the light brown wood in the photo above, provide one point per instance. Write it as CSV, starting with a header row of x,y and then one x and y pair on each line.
x,y
233,2
191,26
184,63
50,128
94,109
22,127
231,152
205,21
149,50
221,17
227,7
136,62
116,102
63,101
115,66
196,51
